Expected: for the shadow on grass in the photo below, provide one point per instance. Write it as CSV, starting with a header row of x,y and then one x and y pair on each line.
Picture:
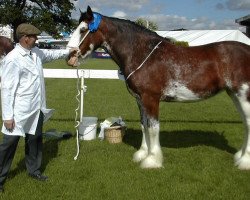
x,y
164,121
50,151
182,139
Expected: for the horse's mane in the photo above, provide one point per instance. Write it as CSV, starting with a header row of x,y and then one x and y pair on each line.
x,y
125,25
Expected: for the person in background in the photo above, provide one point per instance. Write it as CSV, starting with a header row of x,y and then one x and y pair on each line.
x,y
24,102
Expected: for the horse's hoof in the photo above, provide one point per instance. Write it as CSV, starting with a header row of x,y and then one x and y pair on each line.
x,y
243,163
140,155
151,162
237,156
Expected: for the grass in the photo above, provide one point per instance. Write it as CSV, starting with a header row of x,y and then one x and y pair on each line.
x,y
198,142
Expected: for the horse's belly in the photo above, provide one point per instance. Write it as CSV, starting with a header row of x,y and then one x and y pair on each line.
x,y
179,92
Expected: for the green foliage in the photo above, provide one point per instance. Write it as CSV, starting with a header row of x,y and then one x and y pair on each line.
x,y
52,17
147,24
198,142
177,42
181,43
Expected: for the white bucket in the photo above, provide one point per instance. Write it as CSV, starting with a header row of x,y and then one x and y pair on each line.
x,y
87,128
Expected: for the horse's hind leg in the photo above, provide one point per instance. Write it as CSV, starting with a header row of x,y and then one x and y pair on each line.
x,y
242,102
153,157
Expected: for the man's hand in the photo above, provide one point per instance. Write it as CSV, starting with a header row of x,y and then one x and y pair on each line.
x,y
9,124
73,57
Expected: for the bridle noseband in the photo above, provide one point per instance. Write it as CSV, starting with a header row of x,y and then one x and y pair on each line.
x,y
92,27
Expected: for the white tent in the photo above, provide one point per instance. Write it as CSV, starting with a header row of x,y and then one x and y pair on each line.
x,y
200,37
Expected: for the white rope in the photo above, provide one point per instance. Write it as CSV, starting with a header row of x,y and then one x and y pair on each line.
x,y
78,93
76,115
143,61
83,38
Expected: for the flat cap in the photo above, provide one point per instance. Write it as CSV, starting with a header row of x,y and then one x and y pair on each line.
x,y
27,29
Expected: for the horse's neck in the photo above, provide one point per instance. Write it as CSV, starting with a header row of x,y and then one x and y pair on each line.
x,y
121,45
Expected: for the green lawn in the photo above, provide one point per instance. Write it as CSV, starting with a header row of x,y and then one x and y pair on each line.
x,y
198,142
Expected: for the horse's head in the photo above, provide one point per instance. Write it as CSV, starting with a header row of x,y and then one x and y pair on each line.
x,y
87,37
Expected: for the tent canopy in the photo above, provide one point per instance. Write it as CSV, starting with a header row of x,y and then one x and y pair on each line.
x,y
200,37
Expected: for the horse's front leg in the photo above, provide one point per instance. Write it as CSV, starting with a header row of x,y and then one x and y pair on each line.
x,y
142,153
154,158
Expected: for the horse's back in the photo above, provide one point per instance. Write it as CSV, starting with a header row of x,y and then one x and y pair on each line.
x,y
195,73
235,62
227,58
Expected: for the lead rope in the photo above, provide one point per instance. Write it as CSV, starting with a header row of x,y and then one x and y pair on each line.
x,y
78,93
144,60
76,115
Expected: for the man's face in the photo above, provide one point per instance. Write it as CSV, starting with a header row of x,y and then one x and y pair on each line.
x,y
31,40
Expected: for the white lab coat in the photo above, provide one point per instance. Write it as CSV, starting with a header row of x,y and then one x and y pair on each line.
x,y
23,88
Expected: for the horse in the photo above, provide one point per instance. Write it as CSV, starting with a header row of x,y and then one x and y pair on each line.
x,y
6,46
157,70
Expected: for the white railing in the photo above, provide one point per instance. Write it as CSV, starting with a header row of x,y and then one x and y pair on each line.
x,y
88,73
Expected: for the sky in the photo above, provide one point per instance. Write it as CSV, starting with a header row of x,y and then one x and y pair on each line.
x,y
173,14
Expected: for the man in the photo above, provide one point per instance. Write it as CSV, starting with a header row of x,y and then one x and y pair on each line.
x,y
24,102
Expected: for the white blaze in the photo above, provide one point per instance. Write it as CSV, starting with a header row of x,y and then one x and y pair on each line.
x,y
76,36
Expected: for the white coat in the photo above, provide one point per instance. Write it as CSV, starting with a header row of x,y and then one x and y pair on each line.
x,y
23,88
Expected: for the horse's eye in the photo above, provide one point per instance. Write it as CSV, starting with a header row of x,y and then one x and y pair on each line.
x,y
82,30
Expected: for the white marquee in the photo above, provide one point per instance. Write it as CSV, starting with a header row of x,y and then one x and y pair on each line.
x,y
200,37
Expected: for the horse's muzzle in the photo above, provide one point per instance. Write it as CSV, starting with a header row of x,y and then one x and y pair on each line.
x,y
72,59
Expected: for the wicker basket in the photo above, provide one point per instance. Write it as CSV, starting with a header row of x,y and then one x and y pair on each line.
x,y
114,134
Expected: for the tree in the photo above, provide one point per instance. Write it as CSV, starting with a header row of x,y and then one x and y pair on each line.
x,y
147,24
51,16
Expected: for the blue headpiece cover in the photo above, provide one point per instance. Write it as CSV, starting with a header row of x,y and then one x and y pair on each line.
x,y
93,26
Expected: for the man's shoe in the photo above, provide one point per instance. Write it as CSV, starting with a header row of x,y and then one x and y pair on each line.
x,y
39,177
1,189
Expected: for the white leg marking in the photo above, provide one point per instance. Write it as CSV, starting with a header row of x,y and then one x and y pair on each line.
x,y
237,156
143,151
242,157
154,158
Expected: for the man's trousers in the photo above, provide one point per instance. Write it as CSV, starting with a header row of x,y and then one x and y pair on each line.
x,y
33,151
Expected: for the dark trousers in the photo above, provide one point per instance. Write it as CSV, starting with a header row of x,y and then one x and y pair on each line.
x,y
33,151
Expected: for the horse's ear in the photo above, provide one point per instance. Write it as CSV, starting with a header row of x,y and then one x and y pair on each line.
x,y
89,10
89,13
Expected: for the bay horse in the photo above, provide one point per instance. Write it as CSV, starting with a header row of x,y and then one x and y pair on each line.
x,y
157,70
6,46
